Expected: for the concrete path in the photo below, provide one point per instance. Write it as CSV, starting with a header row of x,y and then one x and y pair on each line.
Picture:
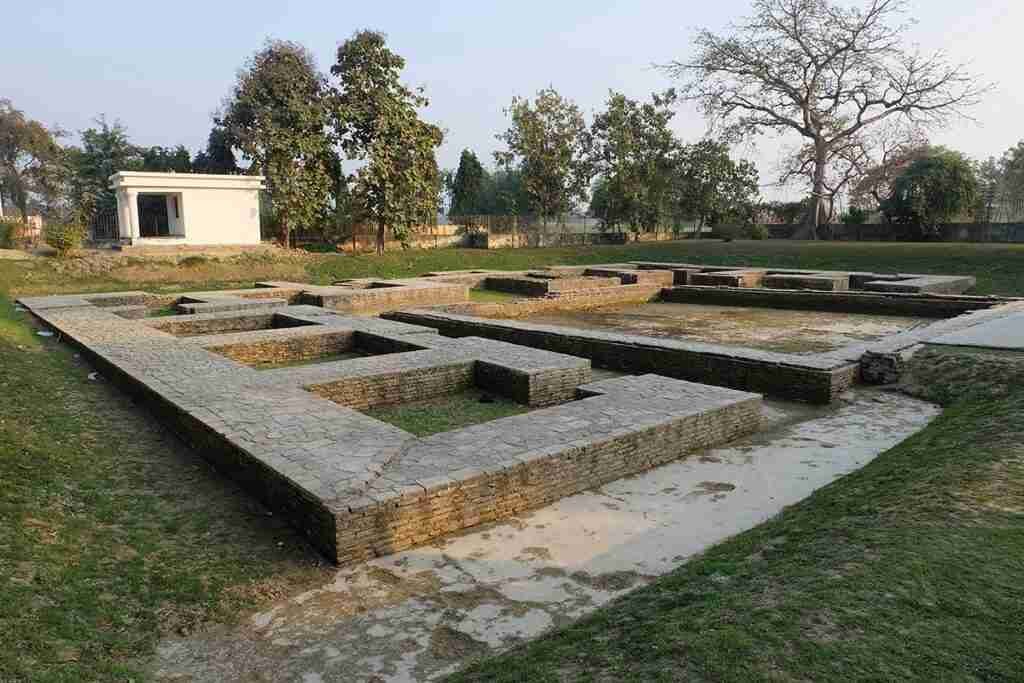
x,y
1003,333
420,614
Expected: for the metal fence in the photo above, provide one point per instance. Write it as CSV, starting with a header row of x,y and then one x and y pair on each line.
x,y
103,226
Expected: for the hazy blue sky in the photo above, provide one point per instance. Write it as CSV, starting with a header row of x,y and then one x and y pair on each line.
x,y
163,72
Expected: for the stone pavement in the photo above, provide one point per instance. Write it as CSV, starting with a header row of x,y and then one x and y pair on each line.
x,y
419,614
358,487
1006,333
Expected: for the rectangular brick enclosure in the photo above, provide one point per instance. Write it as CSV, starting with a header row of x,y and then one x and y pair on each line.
x,y
269,383
357,487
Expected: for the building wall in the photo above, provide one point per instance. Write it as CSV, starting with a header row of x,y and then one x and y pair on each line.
x,y
219,216
211,209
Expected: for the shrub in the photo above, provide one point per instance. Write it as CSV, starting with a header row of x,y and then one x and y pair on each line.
x,y
8,233
318,248
64,237
757,231
854,216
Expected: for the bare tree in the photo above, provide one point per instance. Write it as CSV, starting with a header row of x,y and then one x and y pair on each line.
x,y
826,72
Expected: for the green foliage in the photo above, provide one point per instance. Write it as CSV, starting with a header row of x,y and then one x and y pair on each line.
x,y
549,144
712,188
756,231
377,122
64,237
933,190
830,72
277,115
105,150
166,160
32,163
468,188
854,216
8,233
218,157
636,153
787,212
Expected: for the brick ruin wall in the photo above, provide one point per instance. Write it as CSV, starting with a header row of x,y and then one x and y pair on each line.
x,y
392,526
728,368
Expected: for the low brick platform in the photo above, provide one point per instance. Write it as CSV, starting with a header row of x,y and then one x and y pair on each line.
x,y
356,486
789,278
809,378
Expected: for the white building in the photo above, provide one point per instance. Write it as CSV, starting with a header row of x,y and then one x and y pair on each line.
x,y
187,208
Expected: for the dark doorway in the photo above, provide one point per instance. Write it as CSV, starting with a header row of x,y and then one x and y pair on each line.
x,y
153,216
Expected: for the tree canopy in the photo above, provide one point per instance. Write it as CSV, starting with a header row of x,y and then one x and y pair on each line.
x,y
636,153
277,116
824,71
549,144
469,187
712,187
933,190
31,159
218,157
377,122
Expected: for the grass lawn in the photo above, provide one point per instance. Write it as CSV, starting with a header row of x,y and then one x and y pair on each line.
x,y
445,413
113,534
491,296
998,267
909,569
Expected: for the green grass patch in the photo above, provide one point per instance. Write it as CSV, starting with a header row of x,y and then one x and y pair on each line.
x,y
909,569
492,296
445,413
112,532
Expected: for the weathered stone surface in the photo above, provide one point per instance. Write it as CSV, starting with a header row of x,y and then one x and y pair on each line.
x,y
358,487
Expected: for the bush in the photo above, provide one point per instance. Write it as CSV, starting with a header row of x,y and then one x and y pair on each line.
x,y
64,237
757,232
320,248
8,233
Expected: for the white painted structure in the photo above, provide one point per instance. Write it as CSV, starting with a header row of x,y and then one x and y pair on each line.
x,y
187,208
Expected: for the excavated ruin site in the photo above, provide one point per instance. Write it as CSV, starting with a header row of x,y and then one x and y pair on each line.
x,y
276,385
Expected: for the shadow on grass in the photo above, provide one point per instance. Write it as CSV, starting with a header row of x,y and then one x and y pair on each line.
x,y
909,569
113,532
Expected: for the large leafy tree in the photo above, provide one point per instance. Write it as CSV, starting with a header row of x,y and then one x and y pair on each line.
x,y
711,187
469,186
933,190
824,71
105,150
219,155
166,160
636,153
549,143
377,123
32,163
277,115
1011,172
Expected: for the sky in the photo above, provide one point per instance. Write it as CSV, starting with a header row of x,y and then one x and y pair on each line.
x,y
164,73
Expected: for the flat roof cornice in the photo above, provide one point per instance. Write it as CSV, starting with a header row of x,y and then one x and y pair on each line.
x,y
170,182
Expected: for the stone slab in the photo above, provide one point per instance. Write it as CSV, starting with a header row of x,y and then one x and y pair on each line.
x,y
1005,333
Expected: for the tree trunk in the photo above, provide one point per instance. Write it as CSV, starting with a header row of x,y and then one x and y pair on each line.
x,y
283,231
812,219
380,238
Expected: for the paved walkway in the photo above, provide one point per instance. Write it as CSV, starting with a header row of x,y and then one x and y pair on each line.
x,y
420,614
1003,333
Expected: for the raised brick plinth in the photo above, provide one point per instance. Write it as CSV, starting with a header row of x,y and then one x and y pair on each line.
x,y
358,487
